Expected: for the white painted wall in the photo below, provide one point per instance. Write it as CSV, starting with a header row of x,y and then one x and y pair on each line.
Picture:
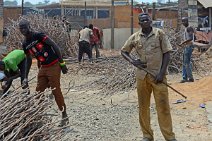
x,y
120,35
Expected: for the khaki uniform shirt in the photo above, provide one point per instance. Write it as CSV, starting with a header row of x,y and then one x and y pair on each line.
x,y
149,49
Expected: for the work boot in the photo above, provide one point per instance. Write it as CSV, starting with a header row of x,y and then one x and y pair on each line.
x,y
183,81
191,80
147,139
65,120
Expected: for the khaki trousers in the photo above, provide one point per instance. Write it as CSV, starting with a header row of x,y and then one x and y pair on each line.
x,y
50,77
160,91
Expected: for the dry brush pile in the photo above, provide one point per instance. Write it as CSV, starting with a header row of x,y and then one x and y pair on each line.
x,y
200,63
111,74
24,117
54,28
117,75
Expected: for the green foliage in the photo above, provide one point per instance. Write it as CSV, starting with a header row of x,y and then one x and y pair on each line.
x,y
10,3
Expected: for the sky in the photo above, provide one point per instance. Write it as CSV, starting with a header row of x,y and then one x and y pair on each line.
x,y
37,1
34,1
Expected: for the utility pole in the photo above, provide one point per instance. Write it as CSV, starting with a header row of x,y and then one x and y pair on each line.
x,y
22,7
85,14
131,17
62,8
192,13
210,15
112,24
1,22
153,10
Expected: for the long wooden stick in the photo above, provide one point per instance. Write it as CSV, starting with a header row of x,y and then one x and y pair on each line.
x,y
139,67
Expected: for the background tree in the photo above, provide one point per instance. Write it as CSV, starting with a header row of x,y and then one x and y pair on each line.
x,y
28,4
10,3
46,1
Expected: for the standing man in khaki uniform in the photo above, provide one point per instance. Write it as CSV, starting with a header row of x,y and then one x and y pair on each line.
x,y
152,47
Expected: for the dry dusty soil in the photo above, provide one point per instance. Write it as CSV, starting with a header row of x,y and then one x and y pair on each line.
x,y
95,116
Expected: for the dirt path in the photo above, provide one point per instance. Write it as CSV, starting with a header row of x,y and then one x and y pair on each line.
x,y
99,117
95,116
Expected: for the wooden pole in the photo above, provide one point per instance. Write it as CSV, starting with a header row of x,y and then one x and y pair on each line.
x,y
1,21
210,17
112,24
131,17
153,10
85,14
22,7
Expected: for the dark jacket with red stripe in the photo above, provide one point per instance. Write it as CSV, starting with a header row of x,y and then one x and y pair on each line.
x,y
37,47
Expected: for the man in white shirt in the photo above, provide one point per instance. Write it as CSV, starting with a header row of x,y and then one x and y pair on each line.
x,y
84,43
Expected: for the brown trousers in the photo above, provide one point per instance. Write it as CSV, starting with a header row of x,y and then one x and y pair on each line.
x,y
160,92
50,77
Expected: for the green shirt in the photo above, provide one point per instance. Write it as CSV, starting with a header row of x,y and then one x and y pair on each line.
x,y
13,59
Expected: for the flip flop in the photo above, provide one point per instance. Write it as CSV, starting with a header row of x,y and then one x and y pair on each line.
x,y
202,105
179,101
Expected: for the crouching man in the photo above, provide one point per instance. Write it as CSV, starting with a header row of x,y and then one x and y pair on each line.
x,y
12,67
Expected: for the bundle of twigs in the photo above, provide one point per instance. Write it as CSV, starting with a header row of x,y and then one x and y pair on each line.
x,y
54,28
114,74
24,117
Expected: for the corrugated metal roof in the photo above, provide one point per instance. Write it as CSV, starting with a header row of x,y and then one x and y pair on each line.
x,y
206,3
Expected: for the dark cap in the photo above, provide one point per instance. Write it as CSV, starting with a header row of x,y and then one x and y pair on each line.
x,y
184,18
24,22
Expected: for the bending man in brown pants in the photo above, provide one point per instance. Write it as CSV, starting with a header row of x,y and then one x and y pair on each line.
x,y
152,47
50,63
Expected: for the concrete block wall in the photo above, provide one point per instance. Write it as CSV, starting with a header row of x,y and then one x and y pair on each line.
x,y
120,34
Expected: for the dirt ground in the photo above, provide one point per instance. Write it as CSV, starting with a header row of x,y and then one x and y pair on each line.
x,y
109,118
95,116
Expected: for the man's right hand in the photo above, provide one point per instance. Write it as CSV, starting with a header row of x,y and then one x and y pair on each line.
x,y
138,63
64,69
6,84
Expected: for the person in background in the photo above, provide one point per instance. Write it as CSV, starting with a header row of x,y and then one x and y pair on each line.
x,y
50,63
84,43
187,52
67,26
153,50
13,65
101,39
95,39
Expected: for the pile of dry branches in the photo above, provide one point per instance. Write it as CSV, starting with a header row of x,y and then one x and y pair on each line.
x,y
175,66
54,28
24,117
113,74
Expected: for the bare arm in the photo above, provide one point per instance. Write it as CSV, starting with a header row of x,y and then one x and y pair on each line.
x,y
137,63
17,74
127,56
28,64
165,62
186,42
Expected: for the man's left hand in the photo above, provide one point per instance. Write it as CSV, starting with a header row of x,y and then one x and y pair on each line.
x,y
64,69
159,78
4,86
